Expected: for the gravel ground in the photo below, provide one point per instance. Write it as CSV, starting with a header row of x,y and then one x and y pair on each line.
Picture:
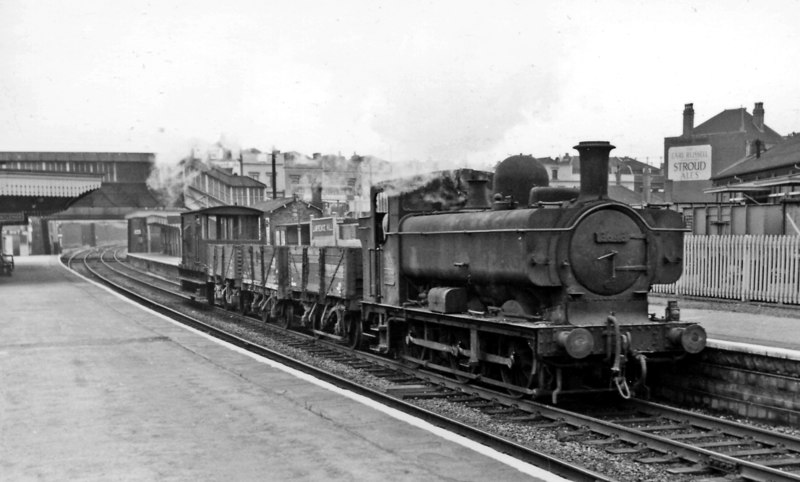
x,y
543,440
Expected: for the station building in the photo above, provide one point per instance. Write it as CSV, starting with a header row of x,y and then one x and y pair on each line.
x,y
758,194
287,219
117,187
208,186
155,231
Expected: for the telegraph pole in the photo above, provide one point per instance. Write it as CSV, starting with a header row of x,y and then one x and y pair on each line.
x,y
274,173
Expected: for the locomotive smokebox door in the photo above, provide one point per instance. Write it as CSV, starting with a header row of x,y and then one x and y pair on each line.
x,y
608,252
447,300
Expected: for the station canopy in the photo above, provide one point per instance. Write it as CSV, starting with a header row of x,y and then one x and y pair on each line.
x,y
37,193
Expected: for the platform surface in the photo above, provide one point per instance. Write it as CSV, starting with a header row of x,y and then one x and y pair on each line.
x,y
758,328
158,257
96,388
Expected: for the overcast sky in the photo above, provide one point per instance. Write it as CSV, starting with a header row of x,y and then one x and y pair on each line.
x,y
463,81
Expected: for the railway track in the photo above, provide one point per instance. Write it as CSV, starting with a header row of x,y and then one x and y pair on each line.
x,y
667,443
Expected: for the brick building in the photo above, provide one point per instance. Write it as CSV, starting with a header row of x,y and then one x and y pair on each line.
x,y
279,213
758,194
702,152
208,186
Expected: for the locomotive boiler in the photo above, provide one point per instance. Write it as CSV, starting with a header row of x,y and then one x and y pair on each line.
x,y
542,290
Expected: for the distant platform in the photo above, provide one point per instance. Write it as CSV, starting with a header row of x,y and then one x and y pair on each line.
x,y
751,328
158,258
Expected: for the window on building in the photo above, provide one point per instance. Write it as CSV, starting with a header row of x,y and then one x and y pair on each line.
x,y
254,175
554,174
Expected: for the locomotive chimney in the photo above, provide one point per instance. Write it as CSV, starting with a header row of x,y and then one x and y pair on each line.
x,y
594,168
477,192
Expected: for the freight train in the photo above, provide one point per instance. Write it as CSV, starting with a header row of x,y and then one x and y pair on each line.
x,y
532,289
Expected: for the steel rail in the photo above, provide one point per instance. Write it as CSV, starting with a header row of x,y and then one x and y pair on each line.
x,y
700,456
520,452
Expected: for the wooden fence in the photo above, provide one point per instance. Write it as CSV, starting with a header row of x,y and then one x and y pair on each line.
x,y
740,267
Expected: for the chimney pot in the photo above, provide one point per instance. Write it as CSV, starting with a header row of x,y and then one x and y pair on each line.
x,y
688,119
758,116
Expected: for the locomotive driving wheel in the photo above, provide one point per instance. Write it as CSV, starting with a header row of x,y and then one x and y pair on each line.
x,y
523,372
352,326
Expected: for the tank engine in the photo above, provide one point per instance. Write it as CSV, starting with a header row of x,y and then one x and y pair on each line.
x,y
543,291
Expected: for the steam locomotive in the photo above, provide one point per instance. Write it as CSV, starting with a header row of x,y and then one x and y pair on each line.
x,y
538,291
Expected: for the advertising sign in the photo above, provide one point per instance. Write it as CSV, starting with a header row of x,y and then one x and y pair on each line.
x,y
323,232
689,163
12,217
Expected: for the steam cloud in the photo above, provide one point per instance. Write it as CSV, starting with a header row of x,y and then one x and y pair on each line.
x,y
471,116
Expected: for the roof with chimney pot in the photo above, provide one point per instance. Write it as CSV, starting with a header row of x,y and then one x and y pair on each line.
x,y
732,120
784,154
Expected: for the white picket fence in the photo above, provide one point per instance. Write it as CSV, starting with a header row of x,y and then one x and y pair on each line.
x,y
740,267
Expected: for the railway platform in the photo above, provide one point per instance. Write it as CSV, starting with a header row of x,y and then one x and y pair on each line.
x,y
97,388
743,327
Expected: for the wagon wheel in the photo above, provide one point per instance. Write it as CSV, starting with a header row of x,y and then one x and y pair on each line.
x,y
523,372
352,322
286,308
267,309
345,324
317,323
245,302
210,293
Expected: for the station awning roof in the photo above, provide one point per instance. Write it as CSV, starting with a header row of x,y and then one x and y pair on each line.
x,y
743,187
46,184
759,185
32,193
